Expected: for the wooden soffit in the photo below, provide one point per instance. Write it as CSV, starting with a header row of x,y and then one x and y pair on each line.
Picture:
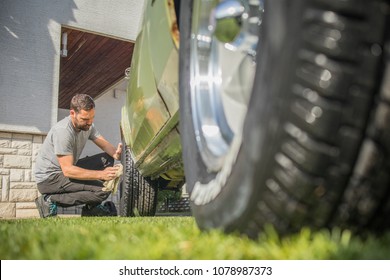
x,y
94,63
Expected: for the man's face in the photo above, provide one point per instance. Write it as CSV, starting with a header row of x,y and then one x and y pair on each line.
x,y
82,120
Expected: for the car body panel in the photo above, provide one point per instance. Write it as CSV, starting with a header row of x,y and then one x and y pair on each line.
x,y
150,114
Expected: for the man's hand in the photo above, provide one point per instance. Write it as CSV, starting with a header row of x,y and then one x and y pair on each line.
x,y
75,172
118,152
109,173
108,147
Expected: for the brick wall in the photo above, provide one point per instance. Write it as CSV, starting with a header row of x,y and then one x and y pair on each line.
x,y
17,187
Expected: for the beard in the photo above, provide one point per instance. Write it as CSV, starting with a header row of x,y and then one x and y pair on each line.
x,y
84,127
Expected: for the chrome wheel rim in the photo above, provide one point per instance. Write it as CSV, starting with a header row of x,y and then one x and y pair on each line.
x,y
224,42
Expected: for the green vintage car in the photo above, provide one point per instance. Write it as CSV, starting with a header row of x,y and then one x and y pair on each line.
x,y
270,112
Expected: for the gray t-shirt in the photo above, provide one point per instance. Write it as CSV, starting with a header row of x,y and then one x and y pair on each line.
x,y
62,139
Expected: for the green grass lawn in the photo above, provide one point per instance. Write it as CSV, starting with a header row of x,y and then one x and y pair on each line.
x,y
150,238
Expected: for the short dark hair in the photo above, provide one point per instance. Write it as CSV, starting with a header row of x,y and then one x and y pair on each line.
x,y
82,102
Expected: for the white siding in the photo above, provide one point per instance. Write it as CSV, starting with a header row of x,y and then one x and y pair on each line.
x,y
29,52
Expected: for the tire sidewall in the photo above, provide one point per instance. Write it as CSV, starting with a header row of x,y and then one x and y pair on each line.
x,y
233,207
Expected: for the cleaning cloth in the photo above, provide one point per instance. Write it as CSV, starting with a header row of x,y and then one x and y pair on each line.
x,y
112,185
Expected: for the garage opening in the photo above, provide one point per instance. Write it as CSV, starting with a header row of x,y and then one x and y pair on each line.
x,y
94,64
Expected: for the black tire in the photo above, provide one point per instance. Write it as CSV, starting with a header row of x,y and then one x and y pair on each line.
x,y
138,195
311,154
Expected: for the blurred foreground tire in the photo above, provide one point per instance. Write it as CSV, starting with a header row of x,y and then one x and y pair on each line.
x,y
285,113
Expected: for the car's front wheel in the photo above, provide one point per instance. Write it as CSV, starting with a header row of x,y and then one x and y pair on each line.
x,y
138,195
285,113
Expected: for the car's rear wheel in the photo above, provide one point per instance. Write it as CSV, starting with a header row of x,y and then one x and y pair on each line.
x,y
138,195
285,113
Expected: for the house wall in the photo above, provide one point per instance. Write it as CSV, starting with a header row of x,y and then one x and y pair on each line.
x,y
30,36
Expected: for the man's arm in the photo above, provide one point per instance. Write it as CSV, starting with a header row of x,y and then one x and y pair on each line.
x,y
108,147
75,172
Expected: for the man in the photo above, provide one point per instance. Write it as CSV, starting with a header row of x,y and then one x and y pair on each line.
x,y
63,179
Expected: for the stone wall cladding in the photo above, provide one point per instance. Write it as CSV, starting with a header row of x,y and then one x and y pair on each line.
x,y
18,189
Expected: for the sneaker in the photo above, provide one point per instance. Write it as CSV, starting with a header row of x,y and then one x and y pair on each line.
x,y
97,211
111,207
46,207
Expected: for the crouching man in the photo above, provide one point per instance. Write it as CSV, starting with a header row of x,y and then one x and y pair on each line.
x,y
63,179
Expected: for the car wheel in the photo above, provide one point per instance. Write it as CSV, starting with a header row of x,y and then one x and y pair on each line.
x,y
138,195
285,113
